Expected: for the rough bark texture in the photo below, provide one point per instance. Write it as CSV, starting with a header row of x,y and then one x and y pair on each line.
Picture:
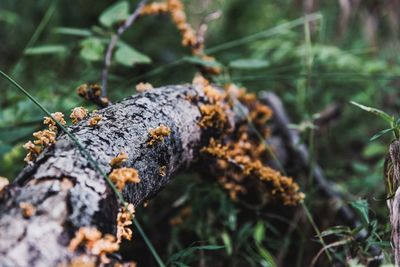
x,y
68,193
393,202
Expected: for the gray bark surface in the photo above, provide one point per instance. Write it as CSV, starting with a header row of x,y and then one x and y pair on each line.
x,y
393,202
68,193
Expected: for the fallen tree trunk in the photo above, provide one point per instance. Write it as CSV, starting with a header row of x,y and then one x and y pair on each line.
x,y
63,190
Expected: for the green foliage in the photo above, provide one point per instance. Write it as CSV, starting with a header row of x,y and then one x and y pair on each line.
x,y
114,14
361,206
393,123
128,56
45,49
92,49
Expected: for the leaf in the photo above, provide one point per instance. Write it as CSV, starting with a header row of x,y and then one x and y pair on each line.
x,y
375,111
9,17
72,31
381,133
227,242
128,56
92,49
115,13
361,206
45,50
249,63
259,232
202,62
267,257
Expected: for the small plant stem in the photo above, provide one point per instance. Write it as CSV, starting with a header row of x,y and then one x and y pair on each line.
x,y
317,231
264,34
113,42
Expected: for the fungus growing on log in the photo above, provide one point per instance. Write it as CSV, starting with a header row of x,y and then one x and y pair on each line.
x,y
122,176
3,183
71,194
143,87
124,221
93,121
119,159
78,114
27,209
92,93
58,116
158,134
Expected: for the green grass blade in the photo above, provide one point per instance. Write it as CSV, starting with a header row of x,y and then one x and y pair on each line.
x,y
148,243
264,34
375,111
317,231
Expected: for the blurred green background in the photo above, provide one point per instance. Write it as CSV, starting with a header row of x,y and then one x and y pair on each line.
x,y
349,51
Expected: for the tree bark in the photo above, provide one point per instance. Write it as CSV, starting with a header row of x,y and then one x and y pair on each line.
x,y
392,174
68,193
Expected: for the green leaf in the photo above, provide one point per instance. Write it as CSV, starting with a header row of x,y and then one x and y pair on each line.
x,y
72,31
9,17
128,56
45,50
267,257
92,49
375,111
381,133
361,206
202,62
249,63
115,13
227,242
259,232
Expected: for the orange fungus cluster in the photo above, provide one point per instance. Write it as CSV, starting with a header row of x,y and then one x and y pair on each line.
x,y
158,134
27,209
93,121
121,176
92,92
78,114
119,159
94,243
237,156
143,87
190,37
44,138
124,221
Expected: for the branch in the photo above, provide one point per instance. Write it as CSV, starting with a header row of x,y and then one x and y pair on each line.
x,y
300,154
114,39
66,193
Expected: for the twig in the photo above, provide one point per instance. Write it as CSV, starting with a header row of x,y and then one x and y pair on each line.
x,y
300,152
202,30
114,39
